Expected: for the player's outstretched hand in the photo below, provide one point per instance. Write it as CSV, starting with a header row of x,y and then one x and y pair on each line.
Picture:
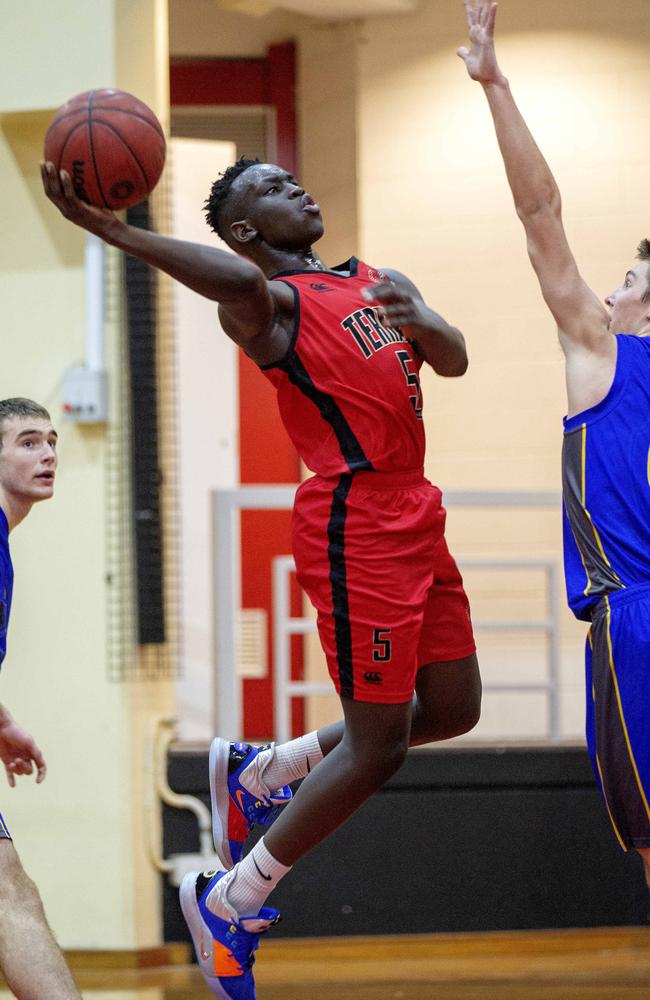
x,y
18,751
398,304
58,188
480,60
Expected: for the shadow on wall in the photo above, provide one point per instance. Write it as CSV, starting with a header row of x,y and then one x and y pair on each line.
x,y
22,142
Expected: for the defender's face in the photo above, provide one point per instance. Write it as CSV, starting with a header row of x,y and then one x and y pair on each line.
x,y
28,458
278,208
628,313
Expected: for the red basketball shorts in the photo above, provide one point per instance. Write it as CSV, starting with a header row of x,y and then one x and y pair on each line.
x,y
371,555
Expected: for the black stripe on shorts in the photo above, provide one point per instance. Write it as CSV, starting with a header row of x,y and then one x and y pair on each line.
x,y
338,579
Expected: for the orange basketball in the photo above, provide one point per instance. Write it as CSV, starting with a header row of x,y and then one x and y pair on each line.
x,y
111,144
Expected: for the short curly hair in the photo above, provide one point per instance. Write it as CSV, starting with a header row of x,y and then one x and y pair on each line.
x,y
219,192
18,406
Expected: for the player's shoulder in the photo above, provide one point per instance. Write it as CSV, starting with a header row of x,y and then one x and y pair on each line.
x,y
281,292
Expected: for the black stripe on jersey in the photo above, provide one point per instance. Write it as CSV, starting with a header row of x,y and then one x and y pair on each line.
x,y
296,372
351,450
338,579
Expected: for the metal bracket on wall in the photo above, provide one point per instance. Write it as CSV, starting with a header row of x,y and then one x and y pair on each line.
x,y
176,866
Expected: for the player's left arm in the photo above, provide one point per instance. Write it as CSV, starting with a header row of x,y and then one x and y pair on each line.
x,y
439,343
18,750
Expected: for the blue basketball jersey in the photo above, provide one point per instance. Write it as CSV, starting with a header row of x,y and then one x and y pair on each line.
x,y
6,583
606,485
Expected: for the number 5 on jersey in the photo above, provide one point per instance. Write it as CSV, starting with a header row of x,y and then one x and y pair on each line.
x,y
412,380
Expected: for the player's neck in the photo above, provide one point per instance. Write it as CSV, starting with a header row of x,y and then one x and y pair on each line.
x,y
15,509
279,261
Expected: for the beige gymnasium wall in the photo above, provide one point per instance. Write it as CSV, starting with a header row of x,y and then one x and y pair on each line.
x,y
433,193
397,146
80,834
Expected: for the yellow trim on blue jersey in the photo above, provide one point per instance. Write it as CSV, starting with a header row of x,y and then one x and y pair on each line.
x,y
583,453
620,709
583,477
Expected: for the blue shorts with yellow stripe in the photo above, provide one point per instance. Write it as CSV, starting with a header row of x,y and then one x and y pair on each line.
x,y
618,710
4,832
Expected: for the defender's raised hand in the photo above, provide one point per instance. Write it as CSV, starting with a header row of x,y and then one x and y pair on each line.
x,y
481,60
18,751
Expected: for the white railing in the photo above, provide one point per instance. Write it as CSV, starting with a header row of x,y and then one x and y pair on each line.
x,y
227,694
284,626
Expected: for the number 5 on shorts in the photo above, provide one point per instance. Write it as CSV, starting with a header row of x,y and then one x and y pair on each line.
x,y
381,652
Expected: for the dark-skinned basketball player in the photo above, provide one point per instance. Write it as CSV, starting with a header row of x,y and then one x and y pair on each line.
x,y
343,347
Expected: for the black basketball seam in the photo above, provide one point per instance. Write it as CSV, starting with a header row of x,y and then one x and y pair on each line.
x,y
140,118
119,135
133,114
81,109
100,107
61,118
92,147
65,142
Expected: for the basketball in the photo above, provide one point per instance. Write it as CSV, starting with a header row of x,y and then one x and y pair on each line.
x,y
111,144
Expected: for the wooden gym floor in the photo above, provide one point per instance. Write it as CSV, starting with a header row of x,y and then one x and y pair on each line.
x,y
593,964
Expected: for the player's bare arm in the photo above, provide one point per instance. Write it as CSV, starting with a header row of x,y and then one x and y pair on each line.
x,y
18,751
253,314
440,344
581,318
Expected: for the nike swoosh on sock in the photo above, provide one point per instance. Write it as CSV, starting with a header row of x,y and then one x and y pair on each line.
x,y
266,877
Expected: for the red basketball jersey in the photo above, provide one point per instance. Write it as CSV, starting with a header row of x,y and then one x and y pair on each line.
x,y
348,387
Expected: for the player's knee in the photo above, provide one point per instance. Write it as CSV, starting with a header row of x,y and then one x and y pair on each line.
x,y
461,720
18,893
468,716
389,757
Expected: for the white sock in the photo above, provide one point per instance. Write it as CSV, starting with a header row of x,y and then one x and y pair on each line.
x,y
292,760
244,889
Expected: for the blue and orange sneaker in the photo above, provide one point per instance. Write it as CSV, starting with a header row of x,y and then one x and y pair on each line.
x,y
239,796
225,949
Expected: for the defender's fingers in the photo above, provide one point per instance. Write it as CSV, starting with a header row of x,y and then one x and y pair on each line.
x,y
38,758
470,12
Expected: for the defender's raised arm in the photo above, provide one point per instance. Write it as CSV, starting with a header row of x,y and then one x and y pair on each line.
x,y
582,319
